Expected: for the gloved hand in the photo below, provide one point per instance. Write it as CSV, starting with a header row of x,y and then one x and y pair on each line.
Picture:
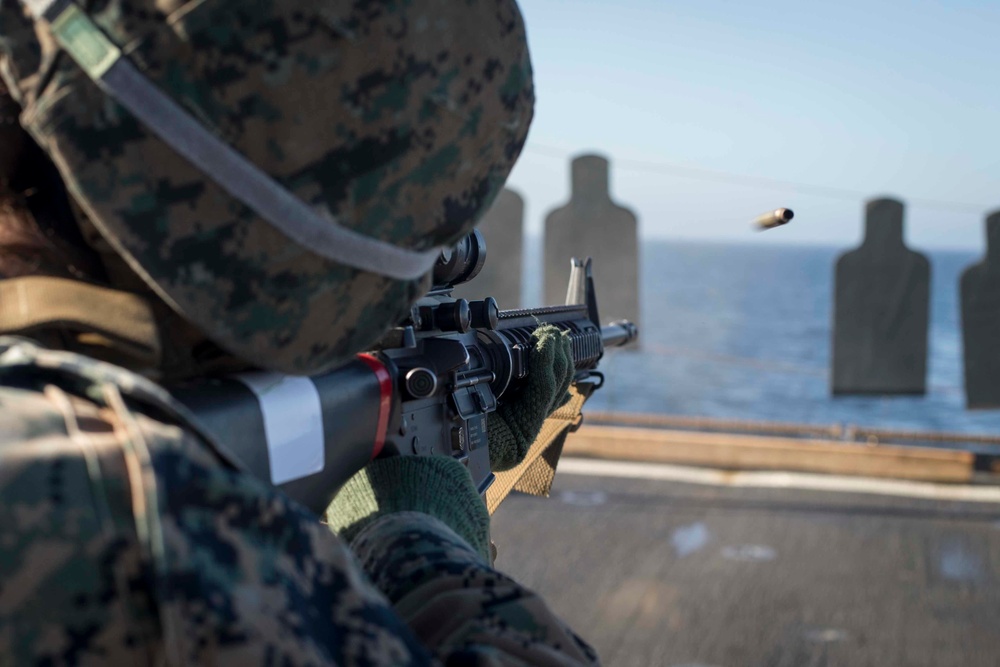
x,y
439,486
516,423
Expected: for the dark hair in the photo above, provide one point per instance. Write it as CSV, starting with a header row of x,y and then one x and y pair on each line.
x,y
38,230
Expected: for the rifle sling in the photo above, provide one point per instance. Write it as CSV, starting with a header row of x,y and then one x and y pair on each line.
x,y
100,316
536,473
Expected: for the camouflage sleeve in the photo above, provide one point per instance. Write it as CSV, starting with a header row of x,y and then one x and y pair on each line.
x,y
125,540
459,607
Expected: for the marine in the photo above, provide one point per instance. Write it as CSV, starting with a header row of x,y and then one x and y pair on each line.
x,y
132,257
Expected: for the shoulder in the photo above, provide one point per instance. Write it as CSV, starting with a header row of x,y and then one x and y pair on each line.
x,y
46,423
117,521
51,395
27,415
73,449
68,557
104,433
55,406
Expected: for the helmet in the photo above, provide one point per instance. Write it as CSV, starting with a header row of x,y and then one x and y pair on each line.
x,y
282,174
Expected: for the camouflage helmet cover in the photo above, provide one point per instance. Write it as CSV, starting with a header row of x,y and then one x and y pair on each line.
x,y
399,120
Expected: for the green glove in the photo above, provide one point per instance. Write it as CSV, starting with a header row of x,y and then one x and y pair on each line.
x,y
516,423
436,485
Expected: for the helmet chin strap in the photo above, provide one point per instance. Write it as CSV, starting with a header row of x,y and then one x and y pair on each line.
x,y
104,63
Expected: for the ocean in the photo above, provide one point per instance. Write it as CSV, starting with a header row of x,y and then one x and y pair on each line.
x,y
744,332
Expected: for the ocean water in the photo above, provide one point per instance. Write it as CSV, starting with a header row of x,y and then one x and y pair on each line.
x,y
744,332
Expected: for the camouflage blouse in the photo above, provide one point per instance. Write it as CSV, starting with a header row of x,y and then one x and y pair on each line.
x,y
127,538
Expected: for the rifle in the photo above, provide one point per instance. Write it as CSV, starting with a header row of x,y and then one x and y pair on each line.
x,y
425,389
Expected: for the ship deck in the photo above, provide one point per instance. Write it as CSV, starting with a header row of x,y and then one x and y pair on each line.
x,y
662,565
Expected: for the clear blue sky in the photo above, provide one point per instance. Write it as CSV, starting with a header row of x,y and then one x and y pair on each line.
x,y
877,96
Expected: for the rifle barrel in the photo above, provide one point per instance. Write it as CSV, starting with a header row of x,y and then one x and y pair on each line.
x,y
619,333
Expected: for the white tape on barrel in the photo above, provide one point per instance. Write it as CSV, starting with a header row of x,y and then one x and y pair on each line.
x,y
293,424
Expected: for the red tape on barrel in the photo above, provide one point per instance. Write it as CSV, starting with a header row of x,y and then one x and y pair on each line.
x,y
385,400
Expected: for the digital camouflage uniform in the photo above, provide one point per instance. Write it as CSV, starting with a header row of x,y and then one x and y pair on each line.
x,y
126,538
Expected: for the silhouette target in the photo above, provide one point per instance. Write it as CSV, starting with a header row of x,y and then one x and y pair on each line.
x,y
503,229
592,225
881,310
980,292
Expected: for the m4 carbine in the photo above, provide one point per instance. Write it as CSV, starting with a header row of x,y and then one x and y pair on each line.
x,y
426,389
